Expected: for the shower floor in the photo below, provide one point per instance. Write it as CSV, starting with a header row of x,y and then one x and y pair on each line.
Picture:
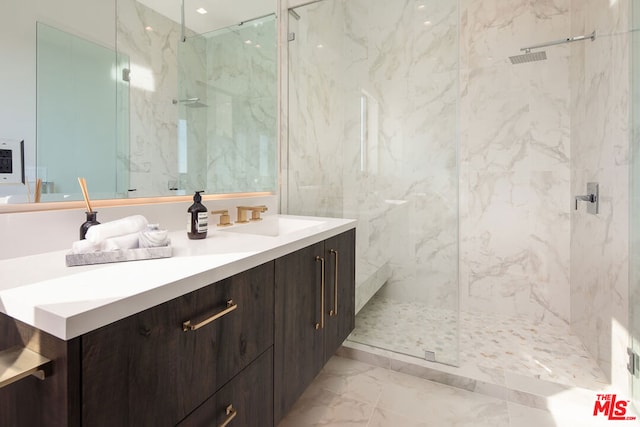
x,y
488,342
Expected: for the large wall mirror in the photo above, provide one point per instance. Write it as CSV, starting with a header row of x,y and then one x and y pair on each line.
x,y
143,98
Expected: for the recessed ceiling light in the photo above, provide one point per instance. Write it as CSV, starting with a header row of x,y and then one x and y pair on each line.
x,y
427,22
148,28
258,46
248,42
201,10
320,46
421,6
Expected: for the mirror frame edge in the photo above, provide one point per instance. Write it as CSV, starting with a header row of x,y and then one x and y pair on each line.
x,y
57,206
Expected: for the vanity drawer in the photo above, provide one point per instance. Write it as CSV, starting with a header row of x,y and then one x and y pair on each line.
x,y
245,401
214,353
152,369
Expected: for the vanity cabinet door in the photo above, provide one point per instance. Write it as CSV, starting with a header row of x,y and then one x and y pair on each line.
x,y
309,329
147,370
298,347
247,400
340,289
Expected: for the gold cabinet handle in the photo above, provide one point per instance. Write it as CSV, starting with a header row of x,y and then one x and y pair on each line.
x,y
321,324
334,312
18,362
231,414
187,326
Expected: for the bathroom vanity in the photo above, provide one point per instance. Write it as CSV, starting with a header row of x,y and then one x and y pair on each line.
x,y
231,329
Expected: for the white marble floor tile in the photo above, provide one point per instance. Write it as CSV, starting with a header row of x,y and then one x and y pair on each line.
x,y
408,401
386,418
438,404
525,416
320,407
353,379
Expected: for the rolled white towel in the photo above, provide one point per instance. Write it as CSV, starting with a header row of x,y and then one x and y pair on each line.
x,y
128,241
84,247
131,224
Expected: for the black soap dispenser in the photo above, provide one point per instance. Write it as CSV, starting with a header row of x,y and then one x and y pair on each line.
x,y
198,218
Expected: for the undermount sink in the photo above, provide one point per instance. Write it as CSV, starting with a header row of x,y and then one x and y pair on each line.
x,y
273,226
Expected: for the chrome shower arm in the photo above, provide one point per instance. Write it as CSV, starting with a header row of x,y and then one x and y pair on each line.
x,y
591,36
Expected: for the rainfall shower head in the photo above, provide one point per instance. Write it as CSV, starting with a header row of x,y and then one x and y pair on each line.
x,y
190,102
528,56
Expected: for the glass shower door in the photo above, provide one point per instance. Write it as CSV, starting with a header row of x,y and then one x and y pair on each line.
x,y
372,122
634,218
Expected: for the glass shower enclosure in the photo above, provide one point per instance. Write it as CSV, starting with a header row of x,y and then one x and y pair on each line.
x,y
373,135
227,109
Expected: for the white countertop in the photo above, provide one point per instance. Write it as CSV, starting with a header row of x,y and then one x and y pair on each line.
x,y
70,301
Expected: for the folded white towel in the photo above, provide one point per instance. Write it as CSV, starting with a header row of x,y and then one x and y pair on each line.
x,y
84,247
128,241
131,224
153,237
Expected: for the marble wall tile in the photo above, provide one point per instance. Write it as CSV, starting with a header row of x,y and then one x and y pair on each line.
x,y
401,182
241,73
600,153
153,87
514,161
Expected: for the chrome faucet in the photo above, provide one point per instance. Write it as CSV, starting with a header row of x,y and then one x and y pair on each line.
x,y
255,213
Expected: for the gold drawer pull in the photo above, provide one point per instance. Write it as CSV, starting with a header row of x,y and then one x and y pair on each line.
x,y
17,363
187,326
334,312
321,324
231,414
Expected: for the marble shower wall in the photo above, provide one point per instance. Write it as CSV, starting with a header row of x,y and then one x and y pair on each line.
x,y
225,142
154,85
241,121
600,152
514,160
372,136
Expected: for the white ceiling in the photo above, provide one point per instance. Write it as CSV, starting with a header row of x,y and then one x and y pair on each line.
x,y
220,13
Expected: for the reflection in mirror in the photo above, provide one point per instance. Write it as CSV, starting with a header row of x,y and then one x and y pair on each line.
x,y
154,145
227,108
76,117
185,136
91,20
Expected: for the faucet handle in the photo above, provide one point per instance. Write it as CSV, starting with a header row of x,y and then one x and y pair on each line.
x,y
592,198
255,213
225,219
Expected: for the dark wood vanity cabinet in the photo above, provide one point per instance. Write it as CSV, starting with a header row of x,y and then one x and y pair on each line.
x,y
241,349
309,325
245,401
156,372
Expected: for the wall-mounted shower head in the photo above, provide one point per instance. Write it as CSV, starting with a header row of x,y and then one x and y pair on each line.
x,y
295,14
528,56
190,102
